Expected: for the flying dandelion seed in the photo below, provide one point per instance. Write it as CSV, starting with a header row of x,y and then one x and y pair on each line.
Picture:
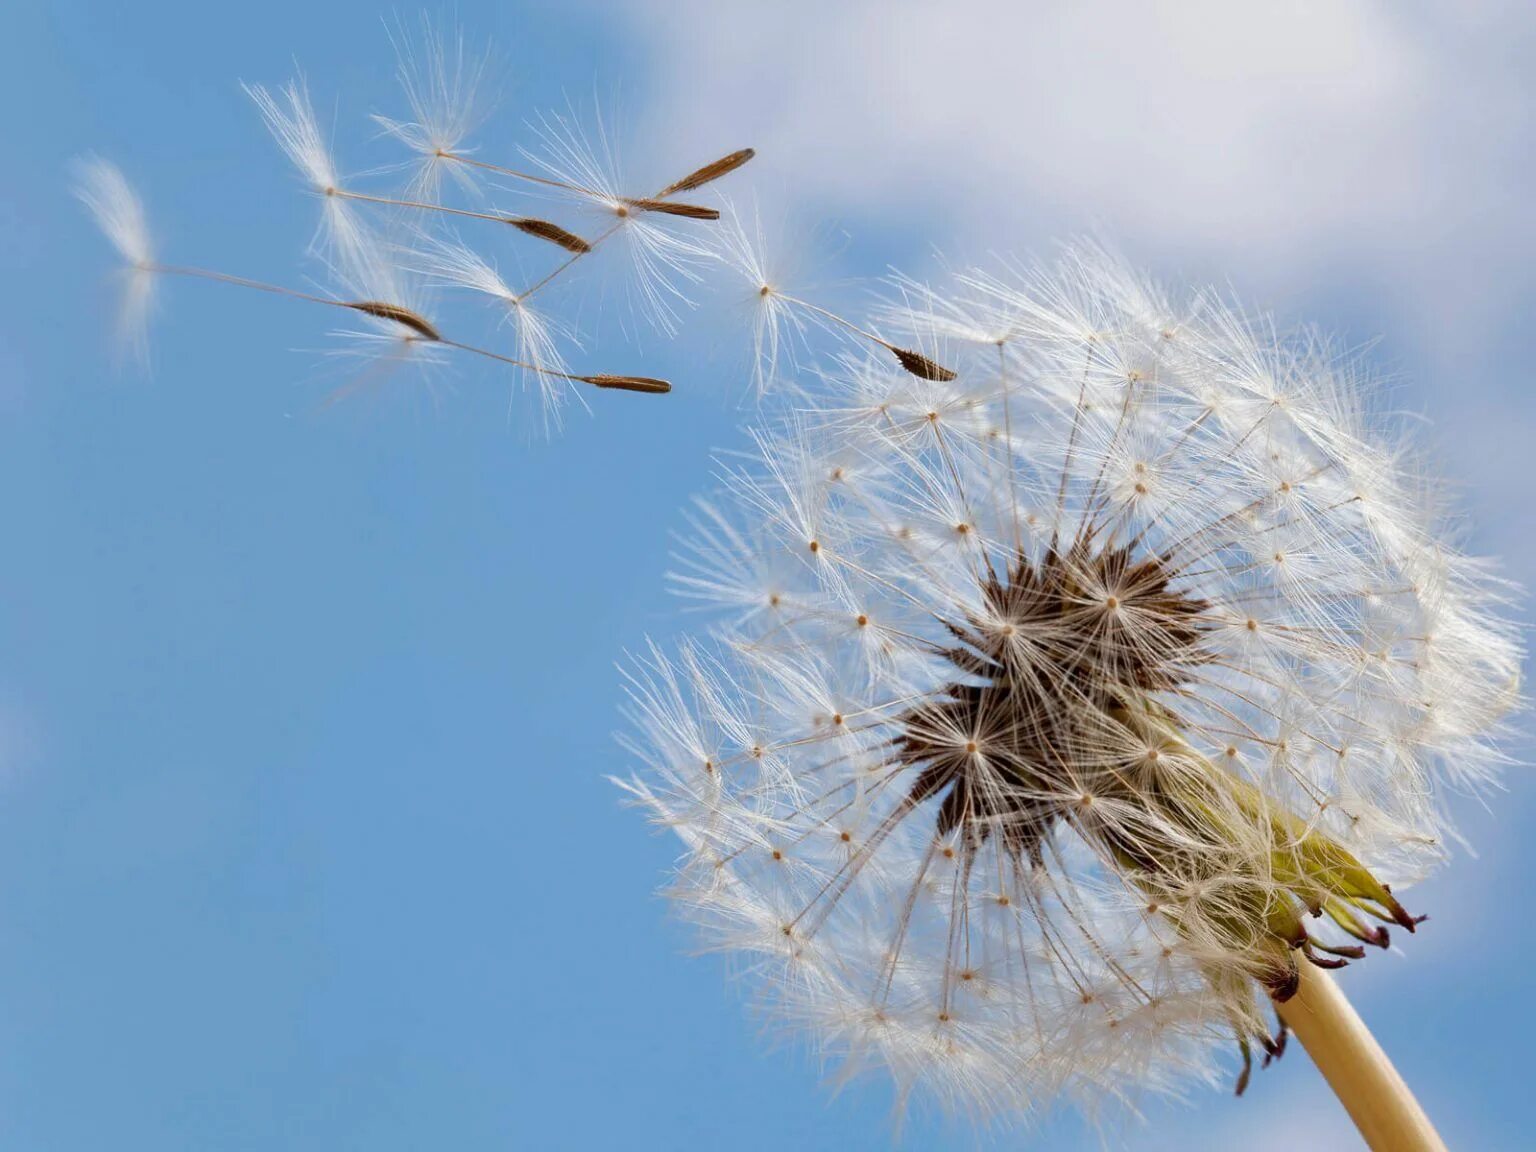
x,y
340,239
449,263
377,290
781,320
442,79
111,202
780,331
378,245
1063,712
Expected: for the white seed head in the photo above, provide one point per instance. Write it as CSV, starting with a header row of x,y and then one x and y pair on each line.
x,y
1055,713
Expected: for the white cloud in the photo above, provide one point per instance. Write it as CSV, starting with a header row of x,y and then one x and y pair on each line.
x,y
1271,140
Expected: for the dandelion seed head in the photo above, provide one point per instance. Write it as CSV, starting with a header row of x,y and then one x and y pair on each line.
x,y
1053,713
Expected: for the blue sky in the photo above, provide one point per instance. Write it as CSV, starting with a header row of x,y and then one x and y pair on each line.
x,y
305,710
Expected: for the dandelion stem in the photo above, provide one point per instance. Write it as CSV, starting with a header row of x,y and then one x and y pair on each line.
x,y
828,314
646,384
515,173
563,265
1358,1071
914,362
238,281
420,204
529,225
657,203
382,309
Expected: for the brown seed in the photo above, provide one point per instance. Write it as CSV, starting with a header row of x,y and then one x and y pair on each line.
x,y
413,320
555,234
922,367
702,176
667,208
628,383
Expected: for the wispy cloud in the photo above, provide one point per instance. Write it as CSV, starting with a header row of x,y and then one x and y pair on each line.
x,y
1362,127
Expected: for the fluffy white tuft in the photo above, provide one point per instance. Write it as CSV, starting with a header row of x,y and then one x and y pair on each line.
x,y
441,78
118,212
341,239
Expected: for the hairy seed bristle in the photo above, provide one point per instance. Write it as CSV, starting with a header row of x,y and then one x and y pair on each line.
x,y
555,234
384,311
628,383
922,367
667,208
710,172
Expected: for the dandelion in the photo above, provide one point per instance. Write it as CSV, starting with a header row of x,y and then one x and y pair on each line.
x,y
1067,712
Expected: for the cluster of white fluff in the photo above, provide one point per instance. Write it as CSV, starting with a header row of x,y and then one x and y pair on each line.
x,y
1351,668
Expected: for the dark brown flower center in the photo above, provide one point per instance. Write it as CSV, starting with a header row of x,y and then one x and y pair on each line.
x,y
1027,730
